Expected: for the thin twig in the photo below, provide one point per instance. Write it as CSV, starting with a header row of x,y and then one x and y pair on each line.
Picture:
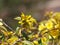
x,y
1,20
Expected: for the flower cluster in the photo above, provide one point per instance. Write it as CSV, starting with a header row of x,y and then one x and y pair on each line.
x,y
31,32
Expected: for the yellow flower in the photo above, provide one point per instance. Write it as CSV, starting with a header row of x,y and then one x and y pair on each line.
x,y
49,24
28,16
53,20
27,20
12,40
7,33
35,42
10,33
35,36
44,39
41,27
44,31
4,32
54,33
23,16
21,22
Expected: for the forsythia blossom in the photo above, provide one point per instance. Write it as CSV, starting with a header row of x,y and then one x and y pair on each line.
x,y
32,32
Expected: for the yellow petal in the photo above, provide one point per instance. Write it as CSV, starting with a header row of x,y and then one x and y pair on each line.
x,y
54,33
57,26
53,20
41,27
4,32
12,40
1,23
35,42
44,39
49,25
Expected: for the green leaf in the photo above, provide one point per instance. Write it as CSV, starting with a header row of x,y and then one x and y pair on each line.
x,y
17,30
3,28
27,43
17,18
40,42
